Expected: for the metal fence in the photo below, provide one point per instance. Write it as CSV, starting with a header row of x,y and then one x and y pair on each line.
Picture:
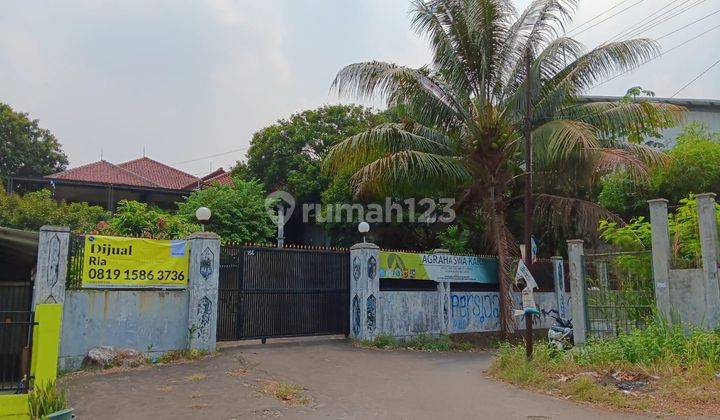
x,y
75,261
270,292
15,346
620,293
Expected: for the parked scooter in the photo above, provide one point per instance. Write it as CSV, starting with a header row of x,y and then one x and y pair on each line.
x,y
560,334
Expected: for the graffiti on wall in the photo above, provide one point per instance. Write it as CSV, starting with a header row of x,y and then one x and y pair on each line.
x,y
480,311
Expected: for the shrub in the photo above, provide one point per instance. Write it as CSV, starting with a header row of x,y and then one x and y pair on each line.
x,y
238,211
133,218
46,398
35,209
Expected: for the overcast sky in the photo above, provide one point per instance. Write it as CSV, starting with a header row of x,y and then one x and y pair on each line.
x,y
192,78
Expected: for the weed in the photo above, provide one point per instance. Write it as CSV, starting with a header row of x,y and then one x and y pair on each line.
x,y
677,366
423,342
286,392
196,377
45,398
186,354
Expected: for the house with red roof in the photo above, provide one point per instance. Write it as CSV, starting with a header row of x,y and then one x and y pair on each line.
x,y
104,183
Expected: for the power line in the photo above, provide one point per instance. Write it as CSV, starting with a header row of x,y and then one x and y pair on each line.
x,y
643,21
595,17
210,156
650,25
689,24
608,18
696,78
661,55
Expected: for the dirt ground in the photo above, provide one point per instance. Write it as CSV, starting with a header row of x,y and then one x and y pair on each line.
x,y
340,381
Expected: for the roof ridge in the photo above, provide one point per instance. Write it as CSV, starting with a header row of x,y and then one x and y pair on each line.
x,y
160,163
136,175
70,170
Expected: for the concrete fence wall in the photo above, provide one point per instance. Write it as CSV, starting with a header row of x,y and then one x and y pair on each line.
x,y
153,321
409,313
690,297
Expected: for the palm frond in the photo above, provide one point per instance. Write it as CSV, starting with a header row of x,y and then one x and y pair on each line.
x,y
409,172
571,215
382,140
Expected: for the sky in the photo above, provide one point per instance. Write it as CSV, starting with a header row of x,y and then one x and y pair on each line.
x,y
188,82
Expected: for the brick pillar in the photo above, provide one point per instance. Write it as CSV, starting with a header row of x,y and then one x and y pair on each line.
x,y
577,290
203,289
364,291
52,265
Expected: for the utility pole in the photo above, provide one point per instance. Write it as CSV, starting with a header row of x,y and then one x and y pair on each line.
x,y
528,195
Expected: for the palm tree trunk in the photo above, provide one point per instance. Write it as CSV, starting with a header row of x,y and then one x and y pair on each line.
x,y
497,223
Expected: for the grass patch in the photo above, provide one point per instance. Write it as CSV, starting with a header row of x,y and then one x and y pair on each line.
x,y
663,369
286,392
178,355
422,342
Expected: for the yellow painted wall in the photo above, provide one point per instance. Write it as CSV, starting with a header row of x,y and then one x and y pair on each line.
x,y
46,345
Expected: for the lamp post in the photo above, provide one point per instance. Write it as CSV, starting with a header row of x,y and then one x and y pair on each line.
x,y
363,228
203,214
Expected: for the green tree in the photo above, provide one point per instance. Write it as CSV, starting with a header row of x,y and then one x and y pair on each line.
x,y
694,165
238,211
468,113
286,155
25,148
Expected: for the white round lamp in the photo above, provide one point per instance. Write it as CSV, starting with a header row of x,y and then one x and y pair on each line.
x,y
203,214
363,228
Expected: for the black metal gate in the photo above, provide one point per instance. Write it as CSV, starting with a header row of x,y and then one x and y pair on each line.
x,y
282,292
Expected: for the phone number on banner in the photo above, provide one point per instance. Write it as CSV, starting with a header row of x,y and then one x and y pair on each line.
x,y
130,275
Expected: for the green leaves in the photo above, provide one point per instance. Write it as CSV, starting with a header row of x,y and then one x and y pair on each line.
x,y
238,211
25,148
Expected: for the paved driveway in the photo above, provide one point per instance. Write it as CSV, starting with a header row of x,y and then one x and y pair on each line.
x,y
344,382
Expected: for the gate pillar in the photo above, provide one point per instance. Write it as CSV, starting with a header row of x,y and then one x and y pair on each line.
x,y
203,290
364,291
577,290
661,255
52,265
707,219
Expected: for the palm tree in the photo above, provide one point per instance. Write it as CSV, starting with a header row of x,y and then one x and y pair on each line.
x,y
467,112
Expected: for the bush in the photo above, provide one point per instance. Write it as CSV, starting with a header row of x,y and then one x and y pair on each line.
x,y
133,218
684,234
46,399
35,209
238,211
421,342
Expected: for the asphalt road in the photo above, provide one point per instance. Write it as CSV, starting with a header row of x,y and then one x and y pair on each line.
x,y
343,381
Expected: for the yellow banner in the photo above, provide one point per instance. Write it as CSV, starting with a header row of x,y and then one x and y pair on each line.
x,y
111,261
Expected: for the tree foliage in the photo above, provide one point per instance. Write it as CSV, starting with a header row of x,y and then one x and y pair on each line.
x,y
35,209
133,218
26,149
286,155
468,114
238,211
692,167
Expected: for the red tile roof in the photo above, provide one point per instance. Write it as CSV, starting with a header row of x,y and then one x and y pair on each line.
x,y
103,172
218,176
161,174
222,178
